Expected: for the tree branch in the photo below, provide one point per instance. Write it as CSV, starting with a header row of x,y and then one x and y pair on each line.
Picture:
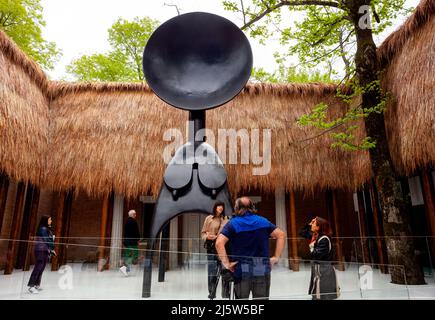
x,y
328,32
342,52
290,4
243,11
375,14
4,20
318,135
173,5
323,132
326,53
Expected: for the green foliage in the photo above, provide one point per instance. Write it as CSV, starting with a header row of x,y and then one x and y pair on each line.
x,y
290,74
124,61
101,67
320,33
22,21
341,129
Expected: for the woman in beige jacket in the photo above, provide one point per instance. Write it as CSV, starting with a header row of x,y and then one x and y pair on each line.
x,y
213,224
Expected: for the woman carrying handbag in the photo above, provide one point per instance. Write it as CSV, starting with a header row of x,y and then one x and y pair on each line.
x,y
323,283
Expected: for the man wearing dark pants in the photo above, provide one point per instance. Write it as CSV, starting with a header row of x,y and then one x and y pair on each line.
x,y
131,242
248,236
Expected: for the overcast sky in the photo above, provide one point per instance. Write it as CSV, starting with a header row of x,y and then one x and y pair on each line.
x,y
80,26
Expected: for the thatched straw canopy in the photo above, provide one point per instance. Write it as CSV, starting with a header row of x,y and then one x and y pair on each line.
x,y
23,114
408,56
109,137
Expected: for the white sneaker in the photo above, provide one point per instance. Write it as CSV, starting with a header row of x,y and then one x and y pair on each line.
x,y
33,290
123,269
38,288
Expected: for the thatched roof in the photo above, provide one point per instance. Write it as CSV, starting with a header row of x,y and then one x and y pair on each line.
x,y
109,137
408,56
23,114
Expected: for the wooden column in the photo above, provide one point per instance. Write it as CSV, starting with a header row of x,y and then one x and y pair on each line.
x,y
116,233
380,239
103,227
429,206
4,187
32,227
281,219
293,245
15,228
58,223
173,243
25,228
108,233
66,224
336,222
363,228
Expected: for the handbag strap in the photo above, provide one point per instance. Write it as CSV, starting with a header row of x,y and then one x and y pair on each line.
x,y
329,241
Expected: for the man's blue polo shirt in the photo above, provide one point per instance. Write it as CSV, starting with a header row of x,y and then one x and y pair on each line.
x,y
249,244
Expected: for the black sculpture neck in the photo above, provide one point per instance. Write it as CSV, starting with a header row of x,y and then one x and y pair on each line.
x,y
196,123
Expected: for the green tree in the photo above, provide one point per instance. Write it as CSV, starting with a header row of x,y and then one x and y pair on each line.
x,y
284,74
124,60
343,28
288,74
22,21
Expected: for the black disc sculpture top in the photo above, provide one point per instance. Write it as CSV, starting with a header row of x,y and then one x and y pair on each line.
x,y
197,61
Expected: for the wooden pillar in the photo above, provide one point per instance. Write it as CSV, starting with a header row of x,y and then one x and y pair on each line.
x,y
336,222
363,228
380,239
108,233
281,219
103,227
15,228
32,227
58,222
293,245
66,224
429,206
4,187
116,233
173,243
25,226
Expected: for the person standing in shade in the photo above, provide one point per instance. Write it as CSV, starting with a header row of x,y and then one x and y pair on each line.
x,y
44,247
213,224
323,283
131,243
248,236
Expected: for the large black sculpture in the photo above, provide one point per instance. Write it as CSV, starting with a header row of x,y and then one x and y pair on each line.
x,y
196,61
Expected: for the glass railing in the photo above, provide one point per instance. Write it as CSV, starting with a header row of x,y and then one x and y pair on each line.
x,y
83,269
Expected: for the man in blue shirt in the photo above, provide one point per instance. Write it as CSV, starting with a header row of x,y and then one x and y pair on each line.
x,y
248,237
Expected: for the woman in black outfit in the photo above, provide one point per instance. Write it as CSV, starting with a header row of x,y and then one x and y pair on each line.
x,y
323,284
44,246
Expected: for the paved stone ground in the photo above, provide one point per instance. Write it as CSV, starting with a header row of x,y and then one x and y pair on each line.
x,y
82,281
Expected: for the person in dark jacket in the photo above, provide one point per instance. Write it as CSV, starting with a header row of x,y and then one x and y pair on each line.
x,y
44,247
323,283
130,242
